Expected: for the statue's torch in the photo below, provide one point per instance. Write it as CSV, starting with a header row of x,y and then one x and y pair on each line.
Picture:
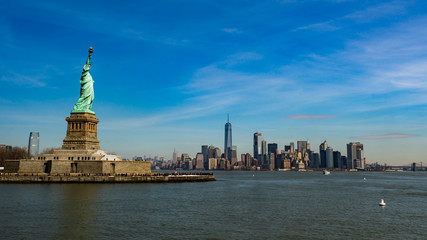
x,y
90,52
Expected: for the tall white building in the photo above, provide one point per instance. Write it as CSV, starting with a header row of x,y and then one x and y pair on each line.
x,y
33,144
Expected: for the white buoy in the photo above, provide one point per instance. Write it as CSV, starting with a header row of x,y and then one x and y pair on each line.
x,y
382,203
364,178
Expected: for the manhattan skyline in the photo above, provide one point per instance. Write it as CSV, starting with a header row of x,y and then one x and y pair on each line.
x,y
167,73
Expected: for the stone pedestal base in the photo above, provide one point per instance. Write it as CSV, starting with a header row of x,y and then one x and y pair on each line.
x,y
81,132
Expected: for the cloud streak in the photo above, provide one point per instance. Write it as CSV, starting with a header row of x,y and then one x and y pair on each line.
x,y
362,16
310,117
20,79
386,136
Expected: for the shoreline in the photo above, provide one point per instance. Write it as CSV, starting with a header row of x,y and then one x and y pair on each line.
x,y
164,178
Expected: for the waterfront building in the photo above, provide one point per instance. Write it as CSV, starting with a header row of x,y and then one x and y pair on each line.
x,y
322,151
247,160
222,163
343,162
310,157
302,146
271,161
329,157
227,140
272,148
352,159
316,161
217,153
323,146
185,157
263,147
360,162
211,151
199,162
322,155
33,144
213,162
337,159
233,155
205,152
258,144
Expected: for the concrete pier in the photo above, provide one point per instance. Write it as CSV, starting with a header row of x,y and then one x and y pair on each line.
x,y
81,178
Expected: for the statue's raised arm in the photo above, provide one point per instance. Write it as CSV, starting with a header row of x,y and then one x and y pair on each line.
x,y
87,94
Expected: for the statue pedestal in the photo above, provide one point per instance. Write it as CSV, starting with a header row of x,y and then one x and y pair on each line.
x,y
81,132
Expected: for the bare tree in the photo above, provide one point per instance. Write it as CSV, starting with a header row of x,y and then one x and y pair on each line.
x,y
49,150
15,153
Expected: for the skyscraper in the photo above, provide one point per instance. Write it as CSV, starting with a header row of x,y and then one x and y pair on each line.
x,y
329,157
257,144
322,151
354,159
233,155
316,161
205,152
301,145
272,148
33,144
174,157
227,140
337,159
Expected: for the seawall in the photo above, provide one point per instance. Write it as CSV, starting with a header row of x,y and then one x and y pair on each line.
x,y
106,179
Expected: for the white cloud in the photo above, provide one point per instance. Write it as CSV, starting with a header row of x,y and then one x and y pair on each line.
x,y
365,15
20,79
323,26
379,11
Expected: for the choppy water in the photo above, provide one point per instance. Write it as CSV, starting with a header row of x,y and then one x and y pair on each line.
x,y
239,205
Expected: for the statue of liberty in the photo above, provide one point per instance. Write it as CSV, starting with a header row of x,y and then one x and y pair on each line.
x,y
84,104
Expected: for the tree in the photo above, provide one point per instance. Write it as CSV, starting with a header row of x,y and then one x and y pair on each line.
x,y
49,150
15,153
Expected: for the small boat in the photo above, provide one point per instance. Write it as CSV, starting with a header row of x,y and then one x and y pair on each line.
x,y
382,203
326,172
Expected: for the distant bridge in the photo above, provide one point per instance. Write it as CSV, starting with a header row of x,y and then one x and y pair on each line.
x,y
410,166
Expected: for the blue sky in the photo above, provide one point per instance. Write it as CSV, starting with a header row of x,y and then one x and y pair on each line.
x,y
168,72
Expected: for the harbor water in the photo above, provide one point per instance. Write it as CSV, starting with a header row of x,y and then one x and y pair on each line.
x,y
239,205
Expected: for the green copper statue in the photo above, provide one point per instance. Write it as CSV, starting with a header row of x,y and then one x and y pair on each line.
x,y
84,104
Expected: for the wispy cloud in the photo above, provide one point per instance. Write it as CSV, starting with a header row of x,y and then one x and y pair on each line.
x,y
385,136
379,11
323,26
194,108
20,79
310,117
362,16
393,60
230,30
240,58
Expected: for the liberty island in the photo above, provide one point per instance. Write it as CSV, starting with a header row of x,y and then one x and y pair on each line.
x,y
81,159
